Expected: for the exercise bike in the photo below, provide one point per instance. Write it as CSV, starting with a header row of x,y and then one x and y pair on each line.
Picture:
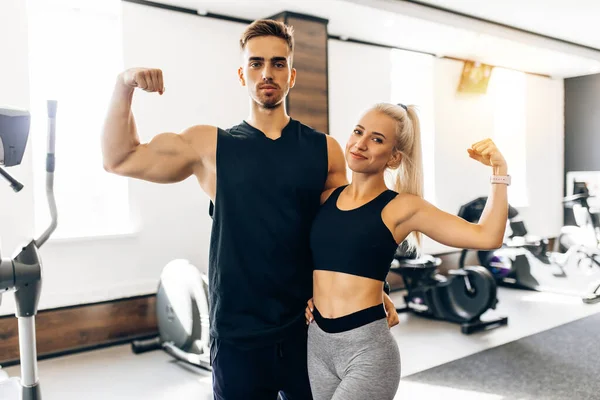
x,y
182,316
461,297
23,273
524,261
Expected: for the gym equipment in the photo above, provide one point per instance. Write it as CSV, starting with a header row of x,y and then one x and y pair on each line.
x,y
582,240
23,273
508,264
587,228
524,261
461,297
182,314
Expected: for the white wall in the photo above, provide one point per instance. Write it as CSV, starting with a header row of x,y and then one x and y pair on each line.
x,y
463,119
199,57
545,155
201,88
358,78
15,220
412,83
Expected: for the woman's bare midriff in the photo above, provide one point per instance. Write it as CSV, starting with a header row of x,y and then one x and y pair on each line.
x,y
336,294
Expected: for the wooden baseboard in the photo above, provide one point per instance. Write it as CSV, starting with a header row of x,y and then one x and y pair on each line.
x,y
76,328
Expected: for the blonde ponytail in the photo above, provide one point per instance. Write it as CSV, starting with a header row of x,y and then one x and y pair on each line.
x,y
409,174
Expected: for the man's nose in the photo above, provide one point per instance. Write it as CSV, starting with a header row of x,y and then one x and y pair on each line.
x,y
267,73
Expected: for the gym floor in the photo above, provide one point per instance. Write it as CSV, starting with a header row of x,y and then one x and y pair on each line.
x,y
116,373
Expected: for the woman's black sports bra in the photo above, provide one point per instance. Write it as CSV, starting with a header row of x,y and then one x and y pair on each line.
x,y
355,241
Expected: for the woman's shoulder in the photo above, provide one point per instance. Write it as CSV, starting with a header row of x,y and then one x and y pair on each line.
x,y
405,202
401,208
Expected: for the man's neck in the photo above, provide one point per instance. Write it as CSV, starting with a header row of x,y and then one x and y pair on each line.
x,y
269,121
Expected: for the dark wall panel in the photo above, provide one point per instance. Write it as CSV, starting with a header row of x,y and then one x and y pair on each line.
x,y
308,101
582,123
582,128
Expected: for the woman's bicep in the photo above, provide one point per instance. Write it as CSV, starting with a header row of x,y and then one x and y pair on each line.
x,y
448,229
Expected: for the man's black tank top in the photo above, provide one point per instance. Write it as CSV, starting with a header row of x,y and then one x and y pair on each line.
x,y
355,242
260,265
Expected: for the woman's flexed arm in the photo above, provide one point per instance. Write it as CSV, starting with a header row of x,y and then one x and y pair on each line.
x,y
452,230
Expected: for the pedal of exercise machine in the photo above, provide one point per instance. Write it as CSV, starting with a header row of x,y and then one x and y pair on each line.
x,y
594,296
201,360
476,326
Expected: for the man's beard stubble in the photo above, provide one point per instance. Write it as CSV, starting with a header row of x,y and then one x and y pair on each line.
x,y
269,103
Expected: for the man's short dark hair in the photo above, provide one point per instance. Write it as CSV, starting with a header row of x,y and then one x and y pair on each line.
x,y
268,27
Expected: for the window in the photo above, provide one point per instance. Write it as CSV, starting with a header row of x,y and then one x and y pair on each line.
x,y
413,83
508,90
75,54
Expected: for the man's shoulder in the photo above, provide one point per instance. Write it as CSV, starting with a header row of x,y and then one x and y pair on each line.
x,y
313,135
239,130
229,132
309,130
231,129
200,131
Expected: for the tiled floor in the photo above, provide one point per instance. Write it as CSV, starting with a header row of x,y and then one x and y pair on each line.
x,y
116,373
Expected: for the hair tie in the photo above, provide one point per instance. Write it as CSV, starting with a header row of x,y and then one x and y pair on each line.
x,y
403,106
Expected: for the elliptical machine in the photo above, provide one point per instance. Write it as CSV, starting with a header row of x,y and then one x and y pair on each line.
x,y
23,273
524,261
182,312
461,297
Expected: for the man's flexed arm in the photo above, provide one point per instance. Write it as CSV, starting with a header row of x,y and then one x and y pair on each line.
x,y
168,157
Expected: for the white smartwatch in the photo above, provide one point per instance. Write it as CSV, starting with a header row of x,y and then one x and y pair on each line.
x,y
500,179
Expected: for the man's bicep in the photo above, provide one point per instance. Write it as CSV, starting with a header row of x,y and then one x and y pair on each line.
x,y
336,175
167,158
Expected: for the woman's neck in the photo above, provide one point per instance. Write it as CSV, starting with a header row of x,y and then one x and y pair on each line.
x,y
364,187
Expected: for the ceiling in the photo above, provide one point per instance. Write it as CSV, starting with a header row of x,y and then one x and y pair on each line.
x,y
574,21
415,25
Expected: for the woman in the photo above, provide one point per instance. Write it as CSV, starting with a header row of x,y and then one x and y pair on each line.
x,y
351,352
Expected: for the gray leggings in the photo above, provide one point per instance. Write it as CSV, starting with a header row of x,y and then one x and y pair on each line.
x,y
357,364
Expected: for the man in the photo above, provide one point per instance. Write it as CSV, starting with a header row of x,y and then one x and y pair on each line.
x,y
264,177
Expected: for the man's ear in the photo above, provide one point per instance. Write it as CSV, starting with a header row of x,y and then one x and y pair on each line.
x,y
293,78
241,76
